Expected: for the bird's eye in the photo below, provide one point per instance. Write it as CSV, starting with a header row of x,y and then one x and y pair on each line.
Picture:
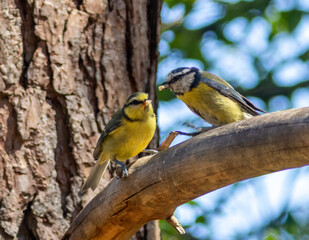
x,y
135,102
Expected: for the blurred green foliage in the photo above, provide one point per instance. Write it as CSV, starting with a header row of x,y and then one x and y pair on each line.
x,y
283,20
188,42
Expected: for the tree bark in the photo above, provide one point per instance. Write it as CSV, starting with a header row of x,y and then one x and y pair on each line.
x,y
157,185
65,68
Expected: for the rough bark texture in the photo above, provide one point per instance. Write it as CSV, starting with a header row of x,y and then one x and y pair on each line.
x,y
65,67
209,161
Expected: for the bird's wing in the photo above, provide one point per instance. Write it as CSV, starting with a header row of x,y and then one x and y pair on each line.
x,y
111,126
228,91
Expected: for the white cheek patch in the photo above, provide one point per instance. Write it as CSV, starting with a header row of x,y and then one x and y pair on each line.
x,y
168,78
183,84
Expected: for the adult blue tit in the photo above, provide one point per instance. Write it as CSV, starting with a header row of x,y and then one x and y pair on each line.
x,y
127,134
209,96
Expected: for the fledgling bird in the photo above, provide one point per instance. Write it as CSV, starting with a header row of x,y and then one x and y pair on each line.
x,y
127,134
209,96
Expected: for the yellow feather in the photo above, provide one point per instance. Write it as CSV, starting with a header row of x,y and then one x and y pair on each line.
x,y
212,106
134,129
130,138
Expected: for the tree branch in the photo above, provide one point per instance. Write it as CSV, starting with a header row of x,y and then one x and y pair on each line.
x,y
228,154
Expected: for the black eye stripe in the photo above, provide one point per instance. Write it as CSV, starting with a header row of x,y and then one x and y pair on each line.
x,y
136,102
176,78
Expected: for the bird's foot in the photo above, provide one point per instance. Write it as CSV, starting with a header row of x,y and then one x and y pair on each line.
x,y
201,130
121,174
188,134
124,172
191,126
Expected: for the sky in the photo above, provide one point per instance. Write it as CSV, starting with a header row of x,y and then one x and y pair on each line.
x,y
259,199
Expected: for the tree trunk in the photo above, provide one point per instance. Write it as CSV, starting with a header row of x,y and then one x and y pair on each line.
x,y
65,67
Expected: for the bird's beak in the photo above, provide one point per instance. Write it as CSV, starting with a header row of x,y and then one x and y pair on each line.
x,y
146,103
163,86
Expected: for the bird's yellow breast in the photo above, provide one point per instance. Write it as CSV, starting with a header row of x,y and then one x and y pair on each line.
x,y
212,106
130,138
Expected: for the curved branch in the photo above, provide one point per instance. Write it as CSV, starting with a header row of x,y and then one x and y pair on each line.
x,y
228,154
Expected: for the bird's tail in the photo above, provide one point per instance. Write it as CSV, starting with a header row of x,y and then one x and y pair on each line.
x,y
96,173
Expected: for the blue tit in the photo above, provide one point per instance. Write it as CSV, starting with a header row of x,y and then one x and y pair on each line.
x,y
127,134
209,96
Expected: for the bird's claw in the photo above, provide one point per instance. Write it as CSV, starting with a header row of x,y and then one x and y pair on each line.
x,y
125,173
122,174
